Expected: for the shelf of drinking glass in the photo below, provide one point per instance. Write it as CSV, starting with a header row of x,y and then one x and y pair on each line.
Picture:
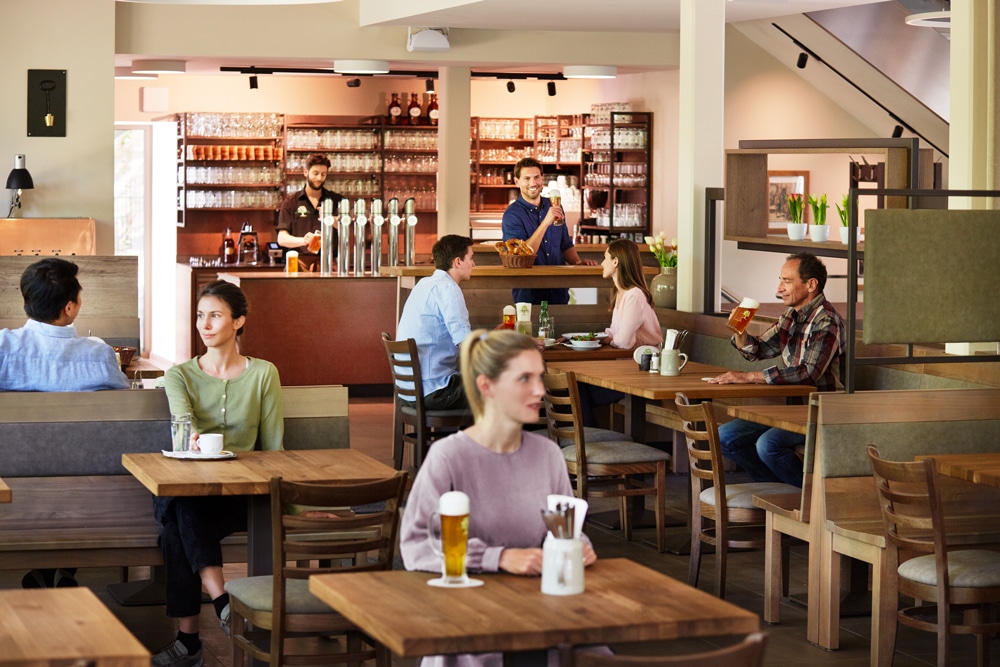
x,y
220,208
333,151
332,174
229,186
259,140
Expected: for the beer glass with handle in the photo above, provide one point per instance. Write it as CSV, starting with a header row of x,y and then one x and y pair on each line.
x,y
739,318
453,510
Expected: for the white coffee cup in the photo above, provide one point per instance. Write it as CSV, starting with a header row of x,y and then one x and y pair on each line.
x,y
210,444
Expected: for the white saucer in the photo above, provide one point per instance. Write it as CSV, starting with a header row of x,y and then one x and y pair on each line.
x,y
198,456
443,583
641,350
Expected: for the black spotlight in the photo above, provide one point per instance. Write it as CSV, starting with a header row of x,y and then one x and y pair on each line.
x,y
354,83
429,85
897,132
253,82
552,88
803,59
510,86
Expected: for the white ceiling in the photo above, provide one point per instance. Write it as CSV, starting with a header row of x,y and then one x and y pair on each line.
x,y
514,15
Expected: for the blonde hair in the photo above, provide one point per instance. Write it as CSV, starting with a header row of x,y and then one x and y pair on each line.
x,y
488,353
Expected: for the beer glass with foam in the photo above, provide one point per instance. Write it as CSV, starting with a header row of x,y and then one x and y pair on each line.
x,y
453,509
739,318
555,198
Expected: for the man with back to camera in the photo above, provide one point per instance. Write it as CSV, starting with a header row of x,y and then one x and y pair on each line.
x,y
532,218
809,338
301,212
436,317
46,355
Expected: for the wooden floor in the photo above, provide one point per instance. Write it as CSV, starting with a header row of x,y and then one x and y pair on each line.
x,y
371,427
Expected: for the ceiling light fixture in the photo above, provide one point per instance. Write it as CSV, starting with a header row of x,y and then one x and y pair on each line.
x,y
897,132
354,83
361,66
126,73
802,61
551,85
18,179
429,86
940,19
590,72
159,67
510,87
253,82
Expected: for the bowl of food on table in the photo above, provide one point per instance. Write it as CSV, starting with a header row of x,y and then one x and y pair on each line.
x,y
584,340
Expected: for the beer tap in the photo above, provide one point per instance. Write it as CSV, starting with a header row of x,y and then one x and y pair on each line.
x,y
360,220
377,222
344,245
326,245
394,232
410,208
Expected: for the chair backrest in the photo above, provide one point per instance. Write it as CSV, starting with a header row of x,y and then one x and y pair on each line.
x,y
562,413
704,451
404,364
911,509
747,653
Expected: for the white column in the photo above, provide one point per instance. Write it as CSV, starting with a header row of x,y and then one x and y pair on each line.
x,y
700,153
973,137
454,91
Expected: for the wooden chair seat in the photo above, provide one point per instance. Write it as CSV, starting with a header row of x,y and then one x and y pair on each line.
x,y
593,434
740,496
747,653
615,468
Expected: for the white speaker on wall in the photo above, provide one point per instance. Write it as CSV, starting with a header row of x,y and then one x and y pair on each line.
x,y
427,39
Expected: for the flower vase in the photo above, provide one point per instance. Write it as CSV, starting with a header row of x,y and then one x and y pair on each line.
x,y
664,288
819,233
845,235
796,231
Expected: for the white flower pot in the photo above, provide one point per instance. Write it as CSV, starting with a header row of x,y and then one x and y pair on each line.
x,y
819,233
845,235
797,231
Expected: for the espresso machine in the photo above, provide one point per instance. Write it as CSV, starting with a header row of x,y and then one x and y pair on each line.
x,y
247,247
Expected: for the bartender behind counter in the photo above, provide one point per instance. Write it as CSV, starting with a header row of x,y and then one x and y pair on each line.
x,y
299,217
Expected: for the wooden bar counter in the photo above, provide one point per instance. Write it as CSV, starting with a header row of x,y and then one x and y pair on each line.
x,y
319,329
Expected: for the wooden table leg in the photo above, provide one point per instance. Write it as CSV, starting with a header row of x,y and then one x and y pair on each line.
x,y
259,536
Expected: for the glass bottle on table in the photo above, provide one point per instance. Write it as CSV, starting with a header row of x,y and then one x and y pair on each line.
x,y
544,321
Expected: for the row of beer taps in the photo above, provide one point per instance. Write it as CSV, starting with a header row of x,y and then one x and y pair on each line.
x,y
343,225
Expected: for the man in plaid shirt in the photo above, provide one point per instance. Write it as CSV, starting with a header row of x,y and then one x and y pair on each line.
x,y
809,338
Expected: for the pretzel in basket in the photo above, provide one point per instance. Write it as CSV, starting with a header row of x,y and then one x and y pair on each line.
x,y
514,247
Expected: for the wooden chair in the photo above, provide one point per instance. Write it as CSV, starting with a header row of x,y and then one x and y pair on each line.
x,y
735,522
280,608
609,468
920,564
747,653
412,422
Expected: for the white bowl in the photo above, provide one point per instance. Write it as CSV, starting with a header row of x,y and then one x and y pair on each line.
x,y
585,344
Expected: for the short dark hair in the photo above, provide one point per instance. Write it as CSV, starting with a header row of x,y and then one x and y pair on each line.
x,y
316,159
524,163
230,294
47,286
810,266
449,247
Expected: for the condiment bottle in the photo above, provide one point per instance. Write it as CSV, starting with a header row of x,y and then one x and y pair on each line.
x,y
544,321
228,250
432,110
654,363
414,111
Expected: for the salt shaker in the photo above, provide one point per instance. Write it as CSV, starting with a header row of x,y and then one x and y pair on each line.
x,y
654,363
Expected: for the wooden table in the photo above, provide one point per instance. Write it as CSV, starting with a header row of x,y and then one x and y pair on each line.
x,y
623,602
788,417
249,474
64,626
5,496
641,387
977,468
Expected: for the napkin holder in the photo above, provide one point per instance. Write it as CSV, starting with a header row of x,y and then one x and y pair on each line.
x,y
562,566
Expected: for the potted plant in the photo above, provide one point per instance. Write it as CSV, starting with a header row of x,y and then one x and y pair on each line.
x,y
796,228
819,232
845,231
664,286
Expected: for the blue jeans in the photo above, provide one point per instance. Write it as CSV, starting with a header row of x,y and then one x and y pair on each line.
x,y
591,397
768,454
190,538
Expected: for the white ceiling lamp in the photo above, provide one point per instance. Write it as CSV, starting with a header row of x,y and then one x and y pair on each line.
x,y
361,66
940,20
159,67
126,73
434,40
590,72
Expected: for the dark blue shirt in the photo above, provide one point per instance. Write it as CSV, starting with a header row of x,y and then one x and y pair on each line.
x,y
520,221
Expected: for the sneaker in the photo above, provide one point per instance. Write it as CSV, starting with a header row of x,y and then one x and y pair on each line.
x,y
176,655
224,620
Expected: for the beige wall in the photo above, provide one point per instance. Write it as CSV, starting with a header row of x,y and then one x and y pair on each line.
x,y
74,174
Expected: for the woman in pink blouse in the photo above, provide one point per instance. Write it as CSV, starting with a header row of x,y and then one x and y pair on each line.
x,y
633,321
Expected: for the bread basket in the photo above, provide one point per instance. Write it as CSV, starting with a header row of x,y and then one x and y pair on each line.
x,y
512,261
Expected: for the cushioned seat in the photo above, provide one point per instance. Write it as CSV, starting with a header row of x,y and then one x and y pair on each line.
x,y
741,495
617,452
594,434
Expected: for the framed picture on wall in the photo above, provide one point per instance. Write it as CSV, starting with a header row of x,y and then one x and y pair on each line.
x,y
780,184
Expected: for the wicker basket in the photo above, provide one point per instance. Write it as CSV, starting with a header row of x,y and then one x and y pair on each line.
x,y
517,261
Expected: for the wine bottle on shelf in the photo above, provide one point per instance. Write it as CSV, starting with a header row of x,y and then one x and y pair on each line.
x,y
414,111
228,250
432,110
395,111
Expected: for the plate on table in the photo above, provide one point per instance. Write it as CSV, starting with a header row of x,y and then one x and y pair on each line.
x,y
587,334
198,456
583,344
443,583
641,350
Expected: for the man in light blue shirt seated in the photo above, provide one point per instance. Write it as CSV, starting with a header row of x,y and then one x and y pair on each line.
x,y
436,317
46,354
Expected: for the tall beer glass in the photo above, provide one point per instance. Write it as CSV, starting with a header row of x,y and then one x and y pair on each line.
x,y
739,318
453,508
555,198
